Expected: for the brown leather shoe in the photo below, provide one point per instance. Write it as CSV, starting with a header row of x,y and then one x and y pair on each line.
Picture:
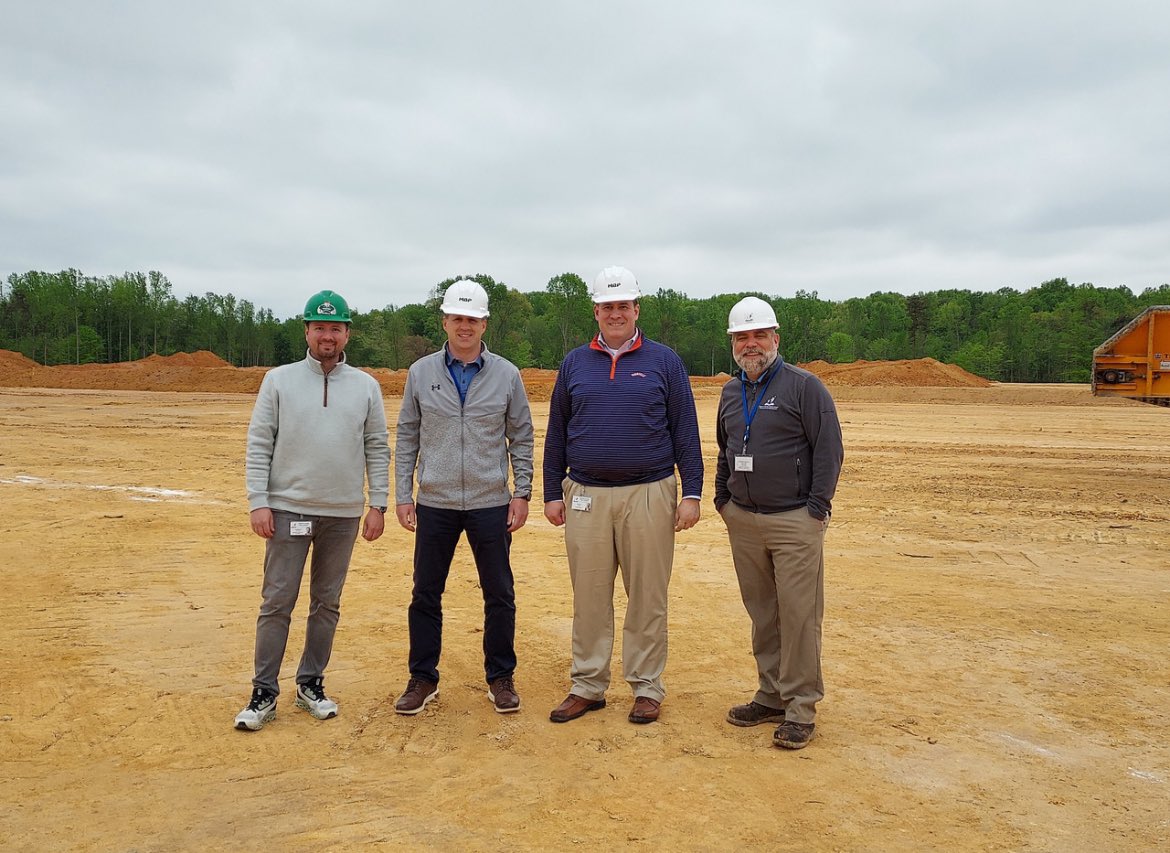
x,y
503,694
575,706
645,710
418,692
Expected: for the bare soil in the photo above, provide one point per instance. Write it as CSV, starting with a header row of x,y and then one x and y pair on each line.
x,y
995,649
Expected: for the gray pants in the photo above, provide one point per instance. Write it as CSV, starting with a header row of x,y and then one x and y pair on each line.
x,y
779,560
284,565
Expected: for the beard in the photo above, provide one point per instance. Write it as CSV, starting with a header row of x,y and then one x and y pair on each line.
x,y
756,363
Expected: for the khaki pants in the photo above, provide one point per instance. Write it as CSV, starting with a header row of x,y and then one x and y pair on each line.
x,y
779,560
631,527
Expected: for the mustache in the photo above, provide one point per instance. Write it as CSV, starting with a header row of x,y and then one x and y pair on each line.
x,y
765,357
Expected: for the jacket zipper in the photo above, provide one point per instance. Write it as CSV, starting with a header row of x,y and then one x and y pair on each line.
x,y
463,445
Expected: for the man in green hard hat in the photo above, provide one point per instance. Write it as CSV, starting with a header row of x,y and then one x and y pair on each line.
x,y
317,438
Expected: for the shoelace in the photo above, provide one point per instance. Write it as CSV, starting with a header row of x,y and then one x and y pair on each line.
x,y
314,689
258,698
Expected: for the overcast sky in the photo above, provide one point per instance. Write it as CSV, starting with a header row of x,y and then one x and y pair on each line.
x,y
270,149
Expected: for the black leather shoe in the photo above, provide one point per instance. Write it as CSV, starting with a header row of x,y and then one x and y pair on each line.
x,y
791,735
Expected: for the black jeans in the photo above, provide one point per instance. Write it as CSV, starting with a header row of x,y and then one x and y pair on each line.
x,y
436,535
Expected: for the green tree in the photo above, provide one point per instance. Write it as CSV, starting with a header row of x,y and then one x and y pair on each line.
x,y
840,346
570,310
918,310
981,358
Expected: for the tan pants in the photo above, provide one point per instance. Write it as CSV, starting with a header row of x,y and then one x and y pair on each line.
x,y
779,560
631,527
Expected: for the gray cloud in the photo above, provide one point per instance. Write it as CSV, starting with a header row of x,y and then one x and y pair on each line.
x,y
269,149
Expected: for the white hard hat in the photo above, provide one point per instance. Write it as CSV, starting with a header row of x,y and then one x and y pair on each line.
x,y
615,284
750,313
465,298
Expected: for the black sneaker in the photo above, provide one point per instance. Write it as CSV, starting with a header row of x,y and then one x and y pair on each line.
x,y
261,710
753,713
791,735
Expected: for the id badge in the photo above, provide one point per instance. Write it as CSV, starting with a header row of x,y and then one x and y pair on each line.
x,y
743,462
300,528
582,503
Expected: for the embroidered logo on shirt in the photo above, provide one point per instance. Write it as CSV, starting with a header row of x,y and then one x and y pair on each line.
x,y
436,387
643,375
770,403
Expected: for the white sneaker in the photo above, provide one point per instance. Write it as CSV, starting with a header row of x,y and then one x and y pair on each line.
x,y
312,698
260,710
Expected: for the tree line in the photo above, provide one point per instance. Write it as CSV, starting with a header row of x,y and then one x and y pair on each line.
x,y
1044,334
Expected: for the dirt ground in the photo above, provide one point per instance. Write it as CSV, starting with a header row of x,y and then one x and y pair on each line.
x,y
995,651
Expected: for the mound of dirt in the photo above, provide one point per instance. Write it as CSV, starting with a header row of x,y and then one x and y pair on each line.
x,y
20,371
392,381
205,371
538,383
10,360
202,358
915,373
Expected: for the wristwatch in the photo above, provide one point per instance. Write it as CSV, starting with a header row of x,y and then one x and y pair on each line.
x,y
380,509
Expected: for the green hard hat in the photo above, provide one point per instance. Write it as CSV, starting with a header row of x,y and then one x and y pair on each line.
x,y
326,306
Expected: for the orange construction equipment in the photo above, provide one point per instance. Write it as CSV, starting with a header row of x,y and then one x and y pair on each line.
x,y
1135,362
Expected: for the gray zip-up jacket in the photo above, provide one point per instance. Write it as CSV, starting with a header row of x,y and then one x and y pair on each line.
x,y
314,440
461,450
795,444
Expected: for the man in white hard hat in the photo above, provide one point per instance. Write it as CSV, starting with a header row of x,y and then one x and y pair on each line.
x,y
317,436
464,416
621,420
780,454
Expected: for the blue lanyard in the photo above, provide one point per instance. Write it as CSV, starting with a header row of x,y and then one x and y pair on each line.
x,y
748,417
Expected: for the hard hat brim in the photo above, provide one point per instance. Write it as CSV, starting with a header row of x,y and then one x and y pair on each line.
x,y
751,327
462,311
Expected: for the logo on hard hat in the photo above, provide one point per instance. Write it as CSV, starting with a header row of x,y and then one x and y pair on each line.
x,y
464,298
614,284
326,308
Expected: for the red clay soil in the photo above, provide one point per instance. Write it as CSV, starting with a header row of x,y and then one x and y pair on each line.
x,y
205,371
916,373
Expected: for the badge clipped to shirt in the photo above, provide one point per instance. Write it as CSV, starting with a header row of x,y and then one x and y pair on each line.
x,y
743,462
300,528
582,503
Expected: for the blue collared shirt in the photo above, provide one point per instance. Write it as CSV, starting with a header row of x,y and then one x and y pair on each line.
x,y
461,373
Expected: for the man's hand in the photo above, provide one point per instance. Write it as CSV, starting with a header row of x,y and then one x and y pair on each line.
x,y
517,514
262,523
554,511
405,513
687,514
375,524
